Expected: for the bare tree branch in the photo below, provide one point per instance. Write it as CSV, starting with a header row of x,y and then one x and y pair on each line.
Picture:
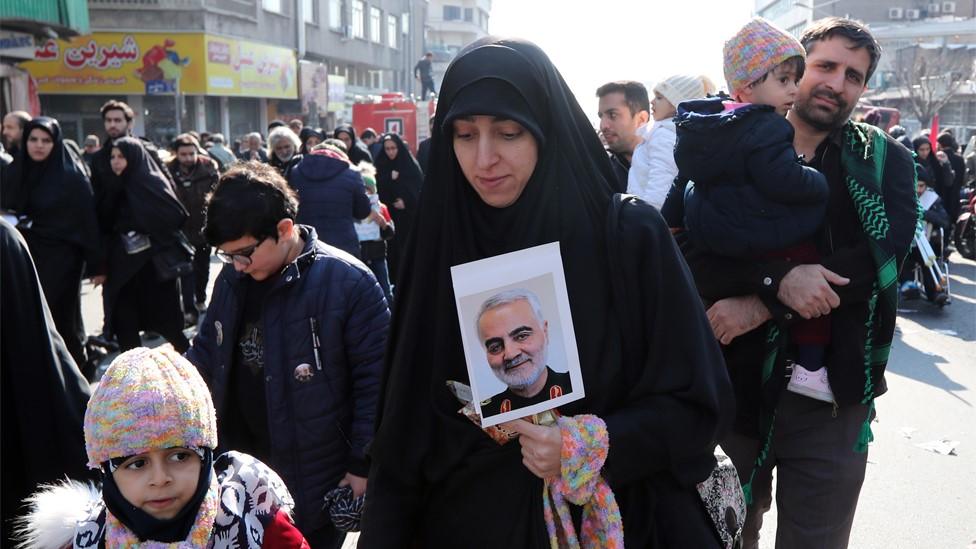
x,y
931,77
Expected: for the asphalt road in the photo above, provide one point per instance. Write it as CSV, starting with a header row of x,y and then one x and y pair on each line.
x,y
912,498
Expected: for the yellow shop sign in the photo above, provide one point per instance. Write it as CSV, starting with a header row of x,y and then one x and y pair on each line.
x,y
149,63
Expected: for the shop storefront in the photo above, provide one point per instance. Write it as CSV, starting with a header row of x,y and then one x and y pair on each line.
x,y
174,82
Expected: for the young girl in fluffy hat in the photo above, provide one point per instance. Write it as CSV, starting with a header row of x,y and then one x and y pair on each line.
x,y
151,429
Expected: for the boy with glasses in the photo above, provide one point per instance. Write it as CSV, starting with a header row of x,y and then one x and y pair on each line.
x,y
292,344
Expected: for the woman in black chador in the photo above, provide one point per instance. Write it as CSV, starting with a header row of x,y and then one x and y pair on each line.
x,y
515,163
141,218
358,151
50,193
398,182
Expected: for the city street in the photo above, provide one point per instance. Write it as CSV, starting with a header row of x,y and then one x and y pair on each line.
x,y
912,497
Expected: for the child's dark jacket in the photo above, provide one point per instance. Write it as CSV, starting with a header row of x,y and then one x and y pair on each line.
x,y
748,194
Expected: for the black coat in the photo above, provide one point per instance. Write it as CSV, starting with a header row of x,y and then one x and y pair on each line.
x,y
192,189
141,199
749,195
44,393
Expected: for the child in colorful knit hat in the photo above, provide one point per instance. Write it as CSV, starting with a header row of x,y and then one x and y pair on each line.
x,y
150,428
749,195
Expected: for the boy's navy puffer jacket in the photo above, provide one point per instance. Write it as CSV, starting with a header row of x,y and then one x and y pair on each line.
x,y
748,193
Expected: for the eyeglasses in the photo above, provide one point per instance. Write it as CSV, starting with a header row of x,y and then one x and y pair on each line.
x,y
243,256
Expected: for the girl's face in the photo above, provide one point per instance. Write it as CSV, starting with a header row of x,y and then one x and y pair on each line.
x,y
160,482
311,142
118,161
390,148
661,108
923,150
497,157
39,145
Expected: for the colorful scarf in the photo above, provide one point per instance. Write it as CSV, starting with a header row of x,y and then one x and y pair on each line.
x,y
584,449
885,215
118,536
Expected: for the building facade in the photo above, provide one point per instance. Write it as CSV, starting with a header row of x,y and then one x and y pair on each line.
x,y
903,28
228,65
451,25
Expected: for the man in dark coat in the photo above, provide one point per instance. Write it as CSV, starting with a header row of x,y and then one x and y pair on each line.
x,y
292,345
196,175
423,71
818,448
44,392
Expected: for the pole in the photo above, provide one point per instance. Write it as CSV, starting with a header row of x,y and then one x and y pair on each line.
x,y
178,110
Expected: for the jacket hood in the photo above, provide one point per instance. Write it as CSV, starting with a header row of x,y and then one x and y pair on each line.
x,y
319,167
708,135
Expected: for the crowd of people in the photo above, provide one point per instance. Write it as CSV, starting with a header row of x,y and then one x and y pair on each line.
x,y
743,295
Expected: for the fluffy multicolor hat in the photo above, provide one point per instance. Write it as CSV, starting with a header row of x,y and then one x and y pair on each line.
x,y
148,399
682,87
756,49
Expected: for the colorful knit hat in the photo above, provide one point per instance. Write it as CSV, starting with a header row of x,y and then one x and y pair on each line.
x,y
756,49
148,399
683,87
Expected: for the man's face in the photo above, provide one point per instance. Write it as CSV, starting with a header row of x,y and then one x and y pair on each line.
x,y
253,143
834,80
12,132
187,156
90,148
115,123
516,343
617,124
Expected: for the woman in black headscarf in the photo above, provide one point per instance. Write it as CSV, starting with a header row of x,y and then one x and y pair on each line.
x,y
358,151
650,364
140,217
309,138
50,192
940,172
398,182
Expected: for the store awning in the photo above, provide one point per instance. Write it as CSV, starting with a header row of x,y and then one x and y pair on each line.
x,y
51,18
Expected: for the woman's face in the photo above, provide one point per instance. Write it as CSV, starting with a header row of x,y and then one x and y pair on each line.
x,y
118,161
390,148
497,157
344,137
311,142
39,145
923,150
284,150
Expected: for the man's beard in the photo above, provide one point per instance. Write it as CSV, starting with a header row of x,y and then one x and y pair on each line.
x,y
112,135
520,380
819,118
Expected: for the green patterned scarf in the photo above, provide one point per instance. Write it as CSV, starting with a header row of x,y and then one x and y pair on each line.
x,y
889,214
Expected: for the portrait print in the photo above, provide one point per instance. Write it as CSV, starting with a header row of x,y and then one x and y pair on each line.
x,y
517,332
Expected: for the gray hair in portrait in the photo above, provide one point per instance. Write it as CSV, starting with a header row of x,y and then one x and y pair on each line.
x,y
507,297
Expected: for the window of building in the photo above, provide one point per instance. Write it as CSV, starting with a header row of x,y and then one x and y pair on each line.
x,y
308,6
358,22
483,20
405,23
469,15
335,14
452,13
391,30
272,5
777,8
375,21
